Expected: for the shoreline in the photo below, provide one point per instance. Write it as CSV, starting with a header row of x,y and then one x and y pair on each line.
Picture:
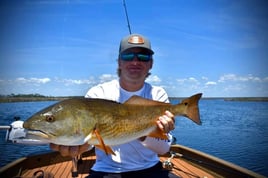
x,y
243,99
34,99
261,99
9,99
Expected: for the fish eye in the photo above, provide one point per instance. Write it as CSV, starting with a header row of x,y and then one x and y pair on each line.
x,y
50,118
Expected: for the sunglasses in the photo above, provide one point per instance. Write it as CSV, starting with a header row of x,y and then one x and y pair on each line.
x,y
140,57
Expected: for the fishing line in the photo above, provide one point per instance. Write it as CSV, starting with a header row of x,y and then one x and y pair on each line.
x,y
128,24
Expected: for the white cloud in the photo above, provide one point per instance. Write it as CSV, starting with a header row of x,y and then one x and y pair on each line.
x,y
211,83
106,77
236,78
180,81
192,79
68,82
227,77
154,79
204,78
32,80
190,82
226,85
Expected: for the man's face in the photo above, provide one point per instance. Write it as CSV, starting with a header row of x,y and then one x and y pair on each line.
x,y
135,69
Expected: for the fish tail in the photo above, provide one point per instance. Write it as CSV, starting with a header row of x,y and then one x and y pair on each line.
x,y
191,108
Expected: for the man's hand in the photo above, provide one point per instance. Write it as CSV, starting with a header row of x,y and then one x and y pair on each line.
x,y
166,122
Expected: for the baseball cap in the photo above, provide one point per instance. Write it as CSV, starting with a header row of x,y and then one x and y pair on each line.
x,y
134,41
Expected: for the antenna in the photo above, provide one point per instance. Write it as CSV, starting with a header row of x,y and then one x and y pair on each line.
x,y
125,7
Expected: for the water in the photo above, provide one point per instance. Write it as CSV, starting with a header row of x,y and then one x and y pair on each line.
x,y
8,111
234,131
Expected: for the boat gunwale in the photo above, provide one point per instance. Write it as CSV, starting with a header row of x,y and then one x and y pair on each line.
x,y
218,165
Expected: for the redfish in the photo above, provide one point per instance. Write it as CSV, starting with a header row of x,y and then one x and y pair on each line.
x,y
105,123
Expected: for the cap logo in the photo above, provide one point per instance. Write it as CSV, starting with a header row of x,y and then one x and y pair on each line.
x,y
136,40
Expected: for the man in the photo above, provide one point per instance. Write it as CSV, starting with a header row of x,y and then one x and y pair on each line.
x,y
137,158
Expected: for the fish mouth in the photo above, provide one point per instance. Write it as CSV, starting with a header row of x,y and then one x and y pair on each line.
x,y
37,134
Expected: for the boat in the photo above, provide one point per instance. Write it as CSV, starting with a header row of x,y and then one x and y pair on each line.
x,y
181,161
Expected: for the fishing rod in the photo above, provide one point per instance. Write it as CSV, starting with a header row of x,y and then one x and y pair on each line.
x,y
128,24
4,127
15,133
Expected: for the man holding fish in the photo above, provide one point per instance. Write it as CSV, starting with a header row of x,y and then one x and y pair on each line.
x,y
137,158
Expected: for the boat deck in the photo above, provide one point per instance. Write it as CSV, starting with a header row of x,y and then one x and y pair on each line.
x,y
63,169
186,163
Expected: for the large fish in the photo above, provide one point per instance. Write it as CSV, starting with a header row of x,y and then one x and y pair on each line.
x,y
104,123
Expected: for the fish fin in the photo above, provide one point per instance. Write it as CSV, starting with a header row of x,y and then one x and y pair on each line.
x,y
107,149
158,133
102,146
142,101
192,110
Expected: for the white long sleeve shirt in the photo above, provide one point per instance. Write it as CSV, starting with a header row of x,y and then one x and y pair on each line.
x,y
135,155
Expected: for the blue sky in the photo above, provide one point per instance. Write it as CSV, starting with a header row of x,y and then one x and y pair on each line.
x,y
64,47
